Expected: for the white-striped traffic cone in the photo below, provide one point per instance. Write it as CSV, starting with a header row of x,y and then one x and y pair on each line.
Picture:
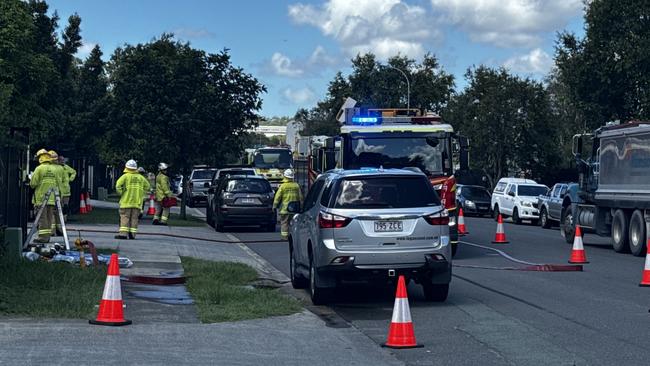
x,y
82,206
111,311
400,333
152,206
462,229
500,236
578,252
645,280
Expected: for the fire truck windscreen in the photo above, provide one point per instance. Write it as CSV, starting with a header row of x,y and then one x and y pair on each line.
x,y
273,159
428,153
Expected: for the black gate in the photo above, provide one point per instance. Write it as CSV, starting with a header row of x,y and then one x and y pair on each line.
x,y
14,188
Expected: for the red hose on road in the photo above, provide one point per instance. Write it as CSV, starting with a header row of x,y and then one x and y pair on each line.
x,y
528,266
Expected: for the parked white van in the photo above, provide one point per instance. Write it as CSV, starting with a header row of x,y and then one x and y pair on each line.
x,y
517,198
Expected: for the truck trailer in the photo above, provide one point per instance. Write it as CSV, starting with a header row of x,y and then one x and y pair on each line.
x,y
614,186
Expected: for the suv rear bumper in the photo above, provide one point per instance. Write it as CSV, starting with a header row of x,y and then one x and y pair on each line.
x,y
436,271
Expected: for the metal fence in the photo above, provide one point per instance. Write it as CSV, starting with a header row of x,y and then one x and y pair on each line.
x,y
14,191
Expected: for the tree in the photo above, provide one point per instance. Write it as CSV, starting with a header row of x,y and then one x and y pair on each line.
x,y
508,121
173,103
377,85
608,72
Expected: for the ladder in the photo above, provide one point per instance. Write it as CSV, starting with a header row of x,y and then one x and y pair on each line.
x,y
59,209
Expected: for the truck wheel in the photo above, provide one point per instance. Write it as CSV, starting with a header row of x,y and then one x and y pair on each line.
x,y
543,219
515,217
637,234
496,212
435,292
567,227
619,232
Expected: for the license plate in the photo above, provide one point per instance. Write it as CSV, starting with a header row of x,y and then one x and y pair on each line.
x,y
388,226
248,201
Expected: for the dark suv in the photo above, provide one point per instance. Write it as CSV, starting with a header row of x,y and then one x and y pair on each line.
x,y
242,200
475,200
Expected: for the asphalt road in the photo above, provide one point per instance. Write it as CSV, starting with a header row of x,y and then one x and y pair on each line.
x,y
507,317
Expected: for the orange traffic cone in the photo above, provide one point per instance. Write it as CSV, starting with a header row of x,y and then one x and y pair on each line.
x,y
89,208
462,230
82,206
110,308
645,280
152,206
400,333
500,236
578,253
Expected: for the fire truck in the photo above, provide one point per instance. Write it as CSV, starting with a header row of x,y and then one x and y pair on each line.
x,y
270,162
398,138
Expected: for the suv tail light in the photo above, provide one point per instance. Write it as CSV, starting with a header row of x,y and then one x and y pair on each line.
x,y
441,218
329,221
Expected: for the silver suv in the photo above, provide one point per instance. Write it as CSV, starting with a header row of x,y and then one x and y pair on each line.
x,y
370,225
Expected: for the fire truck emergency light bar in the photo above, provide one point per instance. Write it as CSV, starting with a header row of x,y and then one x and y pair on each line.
x,y
373,117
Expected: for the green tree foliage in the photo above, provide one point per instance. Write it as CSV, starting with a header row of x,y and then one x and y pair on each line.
x,y
374,84
608,72
509,123
170,102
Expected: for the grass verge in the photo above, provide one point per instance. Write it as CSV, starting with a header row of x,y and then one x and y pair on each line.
x,y
218,289
112,216
50,290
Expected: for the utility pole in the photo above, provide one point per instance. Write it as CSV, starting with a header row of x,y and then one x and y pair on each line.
x,y
408,86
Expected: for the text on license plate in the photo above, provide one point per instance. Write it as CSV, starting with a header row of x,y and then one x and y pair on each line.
x,y
388,226
248,201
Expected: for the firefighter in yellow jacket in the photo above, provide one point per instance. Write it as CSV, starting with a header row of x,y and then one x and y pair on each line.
x,y
288,194
64,191
44,179
131,187
163,190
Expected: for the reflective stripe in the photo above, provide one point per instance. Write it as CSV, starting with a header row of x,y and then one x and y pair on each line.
x,y
401,312
44,231
132,230
112,289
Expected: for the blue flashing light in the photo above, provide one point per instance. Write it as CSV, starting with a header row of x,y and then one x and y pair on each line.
x,y
368,121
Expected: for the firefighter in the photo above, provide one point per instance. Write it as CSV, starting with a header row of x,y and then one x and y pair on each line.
x,y
64,177
69,177
288,194
131,187
45,178
163,190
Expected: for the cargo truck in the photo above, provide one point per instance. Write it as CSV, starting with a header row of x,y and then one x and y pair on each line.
x,y
613,164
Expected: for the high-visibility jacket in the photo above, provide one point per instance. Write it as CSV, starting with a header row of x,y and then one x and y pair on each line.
x,y
131,187
45,177
163,188
289,191
69,176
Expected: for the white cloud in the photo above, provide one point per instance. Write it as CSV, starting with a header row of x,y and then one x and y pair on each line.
x,y
282,66
85,50
298,96
191,33
535,62
508,23
362,25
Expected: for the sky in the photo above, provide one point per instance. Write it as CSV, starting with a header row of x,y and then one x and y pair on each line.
x,y
295,47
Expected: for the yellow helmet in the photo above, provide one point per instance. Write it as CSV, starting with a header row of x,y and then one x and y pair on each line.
x,y
41,152
53,155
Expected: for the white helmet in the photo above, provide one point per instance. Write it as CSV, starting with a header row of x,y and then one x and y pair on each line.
x,y
288,174
131,164
162,166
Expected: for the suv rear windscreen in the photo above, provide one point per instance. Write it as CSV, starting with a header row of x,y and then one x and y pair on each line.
x,y
385,192
248,186
202,174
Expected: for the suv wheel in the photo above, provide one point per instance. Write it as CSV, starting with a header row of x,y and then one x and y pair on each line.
x,y
318,295
435,292
297,281
515,216
543,219
495,212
